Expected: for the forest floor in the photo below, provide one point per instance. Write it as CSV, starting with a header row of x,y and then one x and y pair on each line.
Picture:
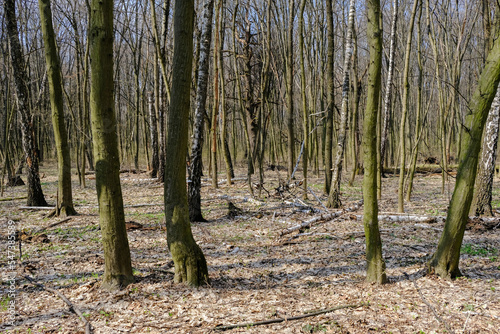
x,y
254,273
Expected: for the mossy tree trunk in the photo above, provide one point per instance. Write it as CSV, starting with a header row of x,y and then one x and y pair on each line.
x,y
30,147
189,261
64,207
375,263
117,269
445,261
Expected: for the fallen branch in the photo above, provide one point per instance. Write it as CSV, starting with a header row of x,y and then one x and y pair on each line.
x,y
328,217
37,207
278,320
88,327
316,197
12,198
436,315
52,225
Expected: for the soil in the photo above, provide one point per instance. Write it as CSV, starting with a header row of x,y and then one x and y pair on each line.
x,y
255,274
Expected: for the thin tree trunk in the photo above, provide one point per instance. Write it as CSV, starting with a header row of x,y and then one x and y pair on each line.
x,y
289,89
154,135
30,147
375,263
334,196
117,268
195,168
189,261
216,105
64,207
330,97
305,114
388,88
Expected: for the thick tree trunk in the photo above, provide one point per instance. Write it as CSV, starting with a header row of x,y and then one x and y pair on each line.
x,y
64,207
484,181
334,196
195,168
445,261
30,147
189,261
117,269
375,263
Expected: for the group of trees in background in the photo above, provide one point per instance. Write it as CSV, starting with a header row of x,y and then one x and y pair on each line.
x,y
274,81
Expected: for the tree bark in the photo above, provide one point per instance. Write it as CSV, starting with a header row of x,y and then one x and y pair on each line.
x,y
195,168
445,261
64,207
153,126
189,261
289,90
117,269
484,181
334,196
30,147
330,97
375,263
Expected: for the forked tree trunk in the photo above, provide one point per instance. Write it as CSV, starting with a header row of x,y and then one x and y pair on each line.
x,y
375,271
484,181
30,147
445,261
189,261
334,196
195,168
64,207
117,268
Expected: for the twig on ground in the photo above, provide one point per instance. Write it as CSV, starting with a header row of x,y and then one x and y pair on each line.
x,y
88,327
12,198
436,315
278,320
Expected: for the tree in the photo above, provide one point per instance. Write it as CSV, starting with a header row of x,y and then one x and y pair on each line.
x,y
330,97
30,147
334,196
64,206
118,268
445,261
189,261
375,263
289,89
195,167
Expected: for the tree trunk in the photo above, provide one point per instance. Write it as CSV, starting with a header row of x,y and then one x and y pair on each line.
x,y
404,112
388,88
216,105
305,113
330,97
195,168
334,196
445,261
64,207
189,261
375,263
154,135
30,147
289,90
117,269
484,181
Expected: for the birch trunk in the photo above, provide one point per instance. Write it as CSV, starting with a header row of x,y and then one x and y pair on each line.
x,y
195,168
334,196
484,181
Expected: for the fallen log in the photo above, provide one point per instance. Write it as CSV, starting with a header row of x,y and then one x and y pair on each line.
x,y
327,217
